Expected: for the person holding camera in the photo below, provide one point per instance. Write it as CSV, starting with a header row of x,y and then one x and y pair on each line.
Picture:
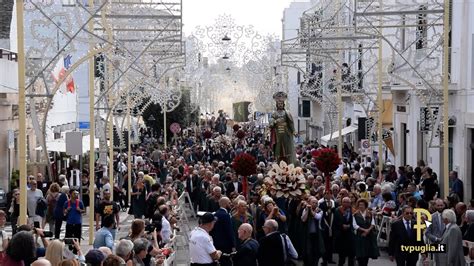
x,y
73,209
37,233
149,233
271,211
57,251
21,249
124,250
311,216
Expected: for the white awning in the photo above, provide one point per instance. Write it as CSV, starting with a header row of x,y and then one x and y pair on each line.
x,y
59,145
325,140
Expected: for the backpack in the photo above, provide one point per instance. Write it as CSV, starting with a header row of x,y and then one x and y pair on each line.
x,y
41,206
69,204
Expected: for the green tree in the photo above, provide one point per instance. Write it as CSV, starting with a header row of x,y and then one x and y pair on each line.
x,y
182,114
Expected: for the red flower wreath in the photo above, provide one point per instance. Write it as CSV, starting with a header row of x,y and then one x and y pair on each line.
x,y
327,161
244,164
240,134
207,134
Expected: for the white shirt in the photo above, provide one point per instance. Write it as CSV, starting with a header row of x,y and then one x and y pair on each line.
x,y
236,187
201,246
317,215
75,179
165,230
3,236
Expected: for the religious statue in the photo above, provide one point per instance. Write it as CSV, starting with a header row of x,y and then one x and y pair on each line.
x,y
221,123
282,131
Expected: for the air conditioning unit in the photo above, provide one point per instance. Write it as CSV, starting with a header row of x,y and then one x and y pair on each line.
x,y
452,121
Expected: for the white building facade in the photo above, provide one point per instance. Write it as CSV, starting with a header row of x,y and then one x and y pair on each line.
x,y
406,93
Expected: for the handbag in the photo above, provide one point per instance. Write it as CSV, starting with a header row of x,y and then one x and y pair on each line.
x,y
41,206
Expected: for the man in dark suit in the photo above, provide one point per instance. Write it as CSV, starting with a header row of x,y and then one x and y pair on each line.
x,y
344,235
328,206
457,186
213,199
223,233
271,246
192,187
403,233
233,186
246,254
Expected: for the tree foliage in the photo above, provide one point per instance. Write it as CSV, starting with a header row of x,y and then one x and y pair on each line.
x,y
182,114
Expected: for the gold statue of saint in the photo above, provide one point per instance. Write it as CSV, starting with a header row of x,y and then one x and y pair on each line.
x,y
282,131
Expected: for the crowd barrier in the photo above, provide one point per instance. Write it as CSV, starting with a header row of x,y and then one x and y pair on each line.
x,y
184,209
383,225
172,244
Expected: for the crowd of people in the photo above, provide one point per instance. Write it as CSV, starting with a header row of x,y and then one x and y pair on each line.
x,y
242,221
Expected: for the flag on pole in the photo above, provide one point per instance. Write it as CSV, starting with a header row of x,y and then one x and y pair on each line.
x,y
59,72
69,80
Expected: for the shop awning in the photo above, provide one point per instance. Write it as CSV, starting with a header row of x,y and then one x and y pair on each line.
x,y
325,139
59,145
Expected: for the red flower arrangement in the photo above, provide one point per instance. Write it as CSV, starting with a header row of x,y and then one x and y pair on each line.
x,y
236,127
207,134
244,164
327,161
240,134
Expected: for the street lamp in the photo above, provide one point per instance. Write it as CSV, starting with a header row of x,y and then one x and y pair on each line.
x,y
226,38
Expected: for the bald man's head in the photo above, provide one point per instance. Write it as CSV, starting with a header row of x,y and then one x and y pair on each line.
x,y
245,231
41,262
224,202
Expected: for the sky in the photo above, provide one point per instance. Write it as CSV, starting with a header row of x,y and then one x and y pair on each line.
x,y
264,15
